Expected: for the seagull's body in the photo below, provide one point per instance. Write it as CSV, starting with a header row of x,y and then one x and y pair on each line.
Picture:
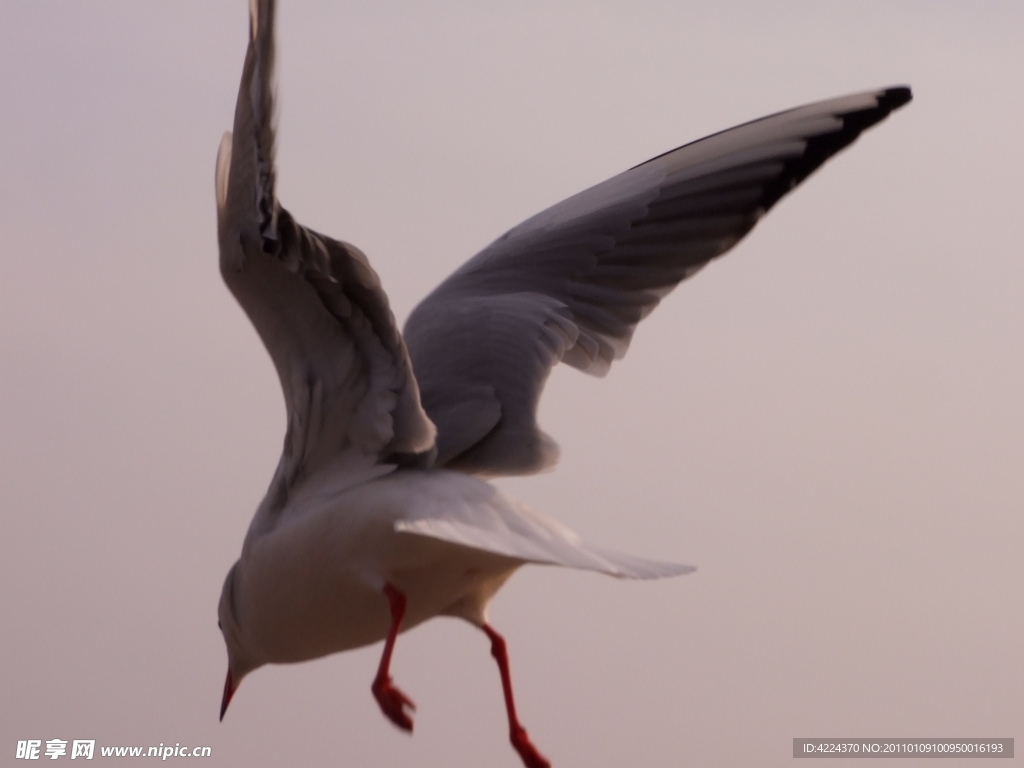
x,y
312,585
379,515
316,580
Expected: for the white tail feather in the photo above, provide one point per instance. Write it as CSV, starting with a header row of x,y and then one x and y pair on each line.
x,y
546,544
223,170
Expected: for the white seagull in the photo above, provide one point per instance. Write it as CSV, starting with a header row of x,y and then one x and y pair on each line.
x,y
378,516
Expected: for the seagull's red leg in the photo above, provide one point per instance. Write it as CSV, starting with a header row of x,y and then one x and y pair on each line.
x,y
517,734
392,701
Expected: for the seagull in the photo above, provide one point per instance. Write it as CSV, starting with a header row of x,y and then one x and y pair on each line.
x,y
380,515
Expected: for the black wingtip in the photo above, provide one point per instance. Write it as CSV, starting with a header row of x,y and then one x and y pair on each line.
x,y
894,98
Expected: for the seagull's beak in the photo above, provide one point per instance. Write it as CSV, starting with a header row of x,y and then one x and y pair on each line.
x,y
229,691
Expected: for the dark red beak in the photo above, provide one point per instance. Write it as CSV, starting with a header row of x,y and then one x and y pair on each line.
x,y
229,691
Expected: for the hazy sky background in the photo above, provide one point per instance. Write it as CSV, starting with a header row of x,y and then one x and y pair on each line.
x,y
828,422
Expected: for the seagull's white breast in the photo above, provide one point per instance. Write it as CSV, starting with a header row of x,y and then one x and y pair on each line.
x,y
312,584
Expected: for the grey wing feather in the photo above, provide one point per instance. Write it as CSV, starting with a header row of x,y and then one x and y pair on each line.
x,y
573,282
316,303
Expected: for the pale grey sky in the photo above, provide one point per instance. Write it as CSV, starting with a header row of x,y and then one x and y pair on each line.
x,y
828,422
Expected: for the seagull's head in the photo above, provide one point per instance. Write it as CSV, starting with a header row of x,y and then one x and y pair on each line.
x,y
240,661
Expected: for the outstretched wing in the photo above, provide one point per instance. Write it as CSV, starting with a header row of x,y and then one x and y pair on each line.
x,y
316,303
572,283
